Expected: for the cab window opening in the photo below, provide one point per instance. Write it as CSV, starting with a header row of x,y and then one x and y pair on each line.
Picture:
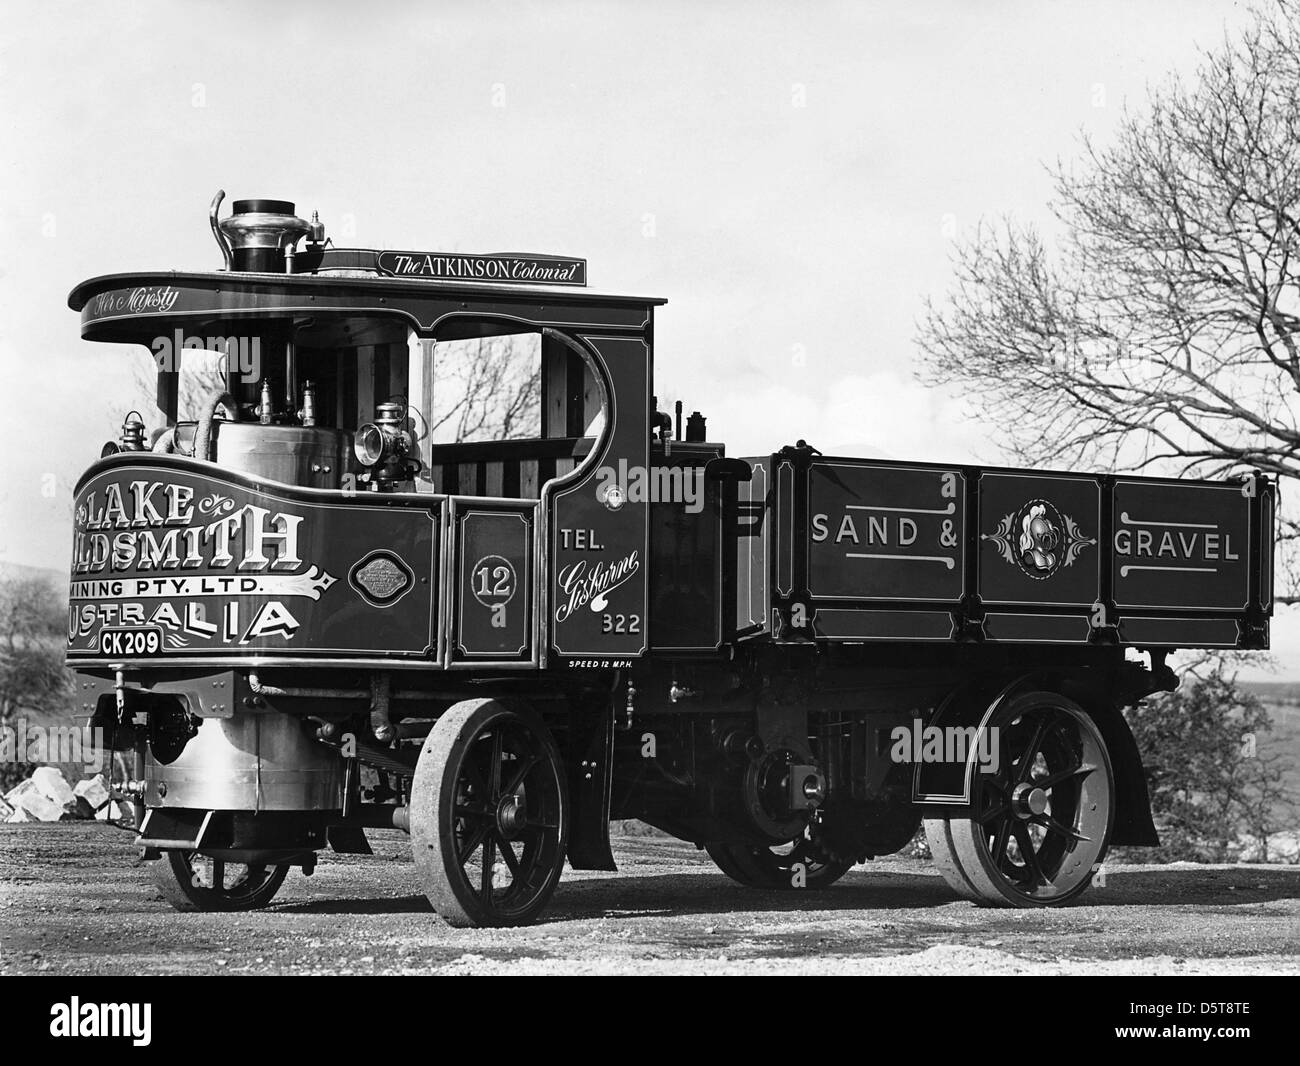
x,y
492,409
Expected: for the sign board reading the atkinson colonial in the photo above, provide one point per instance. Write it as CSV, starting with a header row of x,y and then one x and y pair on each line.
x,y
508,269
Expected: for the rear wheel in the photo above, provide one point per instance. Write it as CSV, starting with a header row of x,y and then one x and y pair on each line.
x,y
489,815
193,882
783,866
1042,819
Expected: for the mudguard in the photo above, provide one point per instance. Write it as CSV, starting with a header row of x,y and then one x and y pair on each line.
x,y
589,756
946,787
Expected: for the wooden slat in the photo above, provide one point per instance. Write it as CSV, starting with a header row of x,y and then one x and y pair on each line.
x,y
554,381
494,481
383,383
348,399
398,372
530,486
590,397
448,478
575,373
467,479
510,480
365,384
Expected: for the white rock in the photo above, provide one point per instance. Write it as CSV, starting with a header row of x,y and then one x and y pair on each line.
x,y
94,791
20,815
5,811
28,798
15,794
1283,847
42,808
53,785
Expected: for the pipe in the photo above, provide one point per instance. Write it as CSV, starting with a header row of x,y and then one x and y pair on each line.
x,y
290,377
289,248
137,787
222,241
381,687
203,431
260,688
379,816
255,683
166,442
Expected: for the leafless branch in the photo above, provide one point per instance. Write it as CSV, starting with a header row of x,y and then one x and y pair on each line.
x,y
1161,331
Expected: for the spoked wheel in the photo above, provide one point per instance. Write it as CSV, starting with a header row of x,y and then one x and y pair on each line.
x,y
1042,819
489,815
193,882
782,866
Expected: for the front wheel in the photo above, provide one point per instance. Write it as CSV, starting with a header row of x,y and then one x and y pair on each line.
x,y
1042,819
193,882
489,815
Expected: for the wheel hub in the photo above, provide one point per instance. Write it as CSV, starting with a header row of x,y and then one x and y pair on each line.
x,y
511,816
1028,801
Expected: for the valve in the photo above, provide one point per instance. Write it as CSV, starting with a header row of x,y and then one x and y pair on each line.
x,y
308,413
266,408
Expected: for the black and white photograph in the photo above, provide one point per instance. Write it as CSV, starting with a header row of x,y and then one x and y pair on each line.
x,y
602,489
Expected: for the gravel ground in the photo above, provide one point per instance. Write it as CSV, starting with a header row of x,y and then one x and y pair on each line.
x,y
75,899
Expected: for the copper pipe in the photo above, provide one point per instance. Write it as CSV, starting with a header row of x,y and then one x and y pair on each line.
x,y
222,242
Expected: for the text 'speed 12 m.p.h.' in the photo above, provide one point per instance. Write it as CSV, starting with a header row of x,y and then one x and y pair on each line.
x,y
302,607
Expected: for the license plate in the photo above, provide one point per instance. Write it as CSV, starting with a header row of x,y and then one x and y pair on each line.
x,y
130,643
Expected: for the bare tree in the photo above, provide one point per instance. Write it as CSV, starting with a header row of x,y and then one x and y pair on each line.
x,y
487,388
1159,330
32,673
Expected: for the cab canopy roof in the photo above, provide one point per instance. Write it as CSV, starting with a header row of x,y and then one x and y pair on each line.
x,y
348,300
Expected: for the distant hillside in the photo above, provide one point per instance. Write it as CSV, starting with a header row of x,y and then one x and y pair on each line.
x,y
15,571
1282,698
1274,691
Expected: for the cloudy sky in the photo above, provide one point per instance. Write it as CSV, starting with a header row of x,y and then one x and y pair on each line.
x,y
790,176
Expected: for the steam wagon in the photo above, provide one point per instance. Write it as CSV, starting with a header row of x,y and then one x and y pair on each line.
x,y
302,606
